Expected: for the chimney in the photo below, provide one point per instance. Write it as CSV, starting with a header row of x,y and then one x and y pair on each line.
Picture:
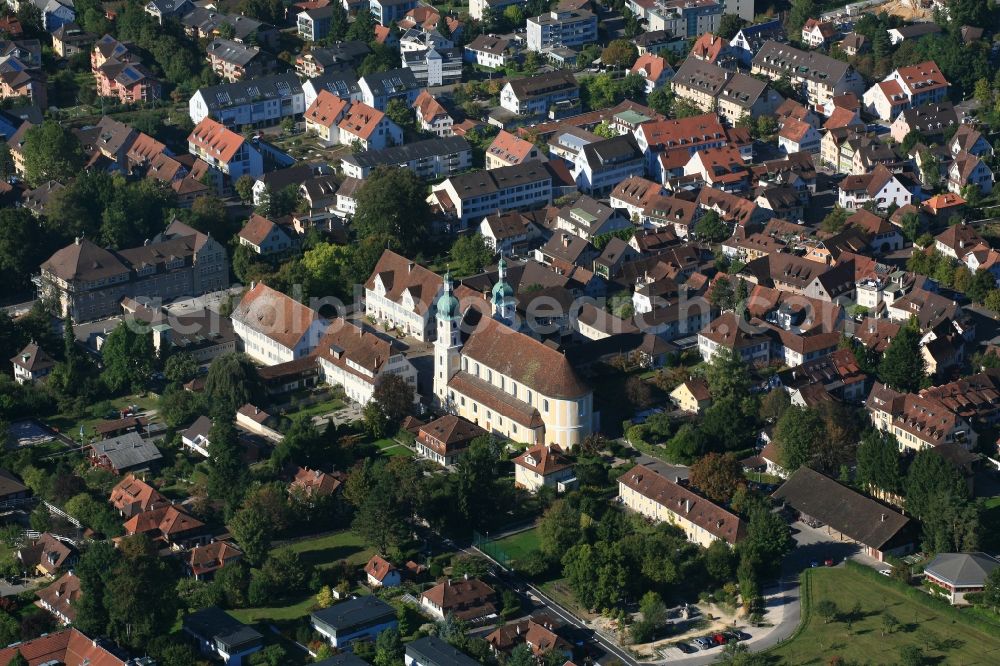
x,y
565,240
409,267
687,506
677,480
884,517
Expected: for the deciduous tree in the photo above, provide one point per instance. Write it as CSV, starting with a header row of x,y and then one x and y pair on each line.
x,y
717,476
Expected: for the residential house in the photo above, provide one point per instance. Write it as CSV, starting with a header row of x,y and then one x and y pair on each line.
x,y
219,635
380,573
69,646
336,59
225,151
634,195
162,9
967,170
264,237
854,44
430,160
847,515
60,598
509,234
508,150
655,70
32,364
132,495
343,85
46,555
797,136
233,61
257,102
168,526
446,438
817,34
744,95
202,562
70,39
378,88
879,185
930,120
649,493
720,168
361,618
470,600
207,22
699,82
538,632
535,95
432,116
489,51
970,140
749,39
957,240
368,127
905,88
323,117
126,453
311,485
544,466
119,73
561,28
692,396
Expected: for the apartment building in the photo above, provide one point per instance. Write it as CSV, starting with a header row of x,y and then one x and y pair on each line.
x,y
489,51
233,61
561,28
432,116
819,78
906,88
469,197
649,493
257,102
434,66
430,160
684,18
380,87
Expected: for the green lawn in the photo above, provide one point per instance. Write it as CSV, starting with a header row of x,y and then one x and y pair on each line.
x,y
292,612
325,551
519,545
320,408
941,637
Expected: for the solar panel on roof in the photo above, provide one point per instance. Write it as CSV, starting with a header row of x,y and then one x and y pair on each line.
x,y
254,91
223,97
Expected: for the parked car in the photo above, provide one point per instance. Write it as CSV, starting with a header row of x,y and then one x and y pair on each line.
x,y
686,648
720,639
737,635
829,562
703,643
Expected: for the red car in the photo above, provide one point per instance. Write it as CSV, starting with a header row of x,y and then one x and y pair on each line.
x,y
720,639
829,562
